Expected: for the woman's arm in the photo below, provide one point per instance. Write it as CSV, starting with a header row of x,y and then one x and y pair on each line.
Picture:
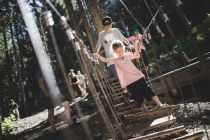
x,y
98,56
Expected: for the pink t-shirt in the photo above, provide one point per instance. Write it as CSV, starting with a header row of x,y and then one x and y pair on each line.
x,y
126,70
137,41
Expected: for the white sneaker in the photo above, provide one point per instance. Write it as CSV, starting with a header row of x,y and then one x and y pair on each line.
x,y
163,105
159,106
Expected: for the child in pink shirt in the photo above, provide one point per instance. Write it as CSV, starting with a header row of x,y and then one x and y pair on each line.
x,y
137,40
129,76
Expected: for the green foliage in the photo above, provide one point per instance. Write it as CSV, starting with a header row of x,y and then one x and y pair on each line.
x,y
152,69
202,32
202,35
8,124
2,51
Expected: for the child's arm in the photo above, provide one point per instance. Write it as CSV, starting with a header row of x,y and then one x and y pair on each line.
x,y
98,56
136,54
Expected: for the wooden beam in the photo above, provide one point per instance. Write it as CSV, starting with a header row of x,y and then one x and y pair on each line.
x,y
161,133
151,114
192,136
150,125
130,110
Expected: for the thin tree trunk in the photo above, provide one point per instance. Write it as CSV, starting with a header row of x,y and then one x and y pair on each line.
x,y
72,16
87,28
88,31
7,59
16,64
20,59
5,42
95,15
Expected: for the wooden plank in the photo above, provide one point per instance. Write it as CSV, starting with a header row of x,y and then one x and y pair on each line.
x,y
129,111
192,136
194,70
115,84
151,114
150,125
118,96
78,99
161,133
118,92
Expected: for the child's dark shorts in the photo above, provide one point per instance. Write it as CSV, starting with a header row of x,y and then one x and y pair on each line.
x,y
140,90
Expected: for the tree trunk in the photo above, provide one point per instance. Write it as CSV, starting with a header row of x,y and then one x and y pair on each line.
x,y
95,15
16,64
8,65
87,28
5,42
73,18
20,59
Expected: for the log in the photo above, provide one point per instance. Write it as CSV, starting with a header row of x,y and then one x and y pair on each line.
x,y
130,109
151,114
161,134
192,136
150,125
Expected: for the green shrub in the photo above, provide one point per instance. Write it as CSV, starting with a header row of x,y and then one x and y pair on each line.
x,y
8,124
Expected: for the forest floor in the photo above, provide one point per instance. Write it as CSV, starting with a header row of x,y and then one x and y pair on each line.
x,y
35,127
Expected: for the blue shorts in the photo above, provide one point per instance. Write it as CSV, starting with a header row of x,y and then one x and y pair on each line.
x,y
113,71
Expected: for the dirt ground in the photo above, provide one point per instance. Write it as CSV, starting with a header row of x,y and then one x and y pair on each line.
x,y
194,116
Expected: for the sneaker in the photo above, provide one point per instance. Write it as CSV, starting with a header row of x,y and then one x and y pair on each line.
x,y
163,105
156,107
159,106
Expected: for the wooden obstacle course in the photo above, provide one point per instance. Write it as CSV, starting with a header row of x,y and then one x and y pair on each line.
x,y
157,124
150,125
161,134
151,114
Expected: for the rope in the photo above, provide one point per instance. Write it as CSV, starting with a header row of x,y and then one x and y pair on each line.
x,y
153,19
38,46
70,90
167,97
73,37
130,13
150,11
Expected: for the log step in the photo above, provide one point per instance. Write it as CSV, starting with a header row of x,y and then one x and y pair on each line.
x,y
150,125
151,114
117,92
114,84
192,136
161,134
130,110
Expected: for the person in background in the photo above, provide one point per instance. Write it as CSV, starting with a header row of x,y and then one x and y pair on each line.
x,y
13,109
82,80
137,40
9,107
74,82
129,76
49,103
180,57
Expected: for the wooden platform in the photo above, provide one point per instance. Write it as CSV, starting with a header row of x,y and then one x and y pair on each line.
x,y
150,125
161,134
176,79
151,114
192,136
157,124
